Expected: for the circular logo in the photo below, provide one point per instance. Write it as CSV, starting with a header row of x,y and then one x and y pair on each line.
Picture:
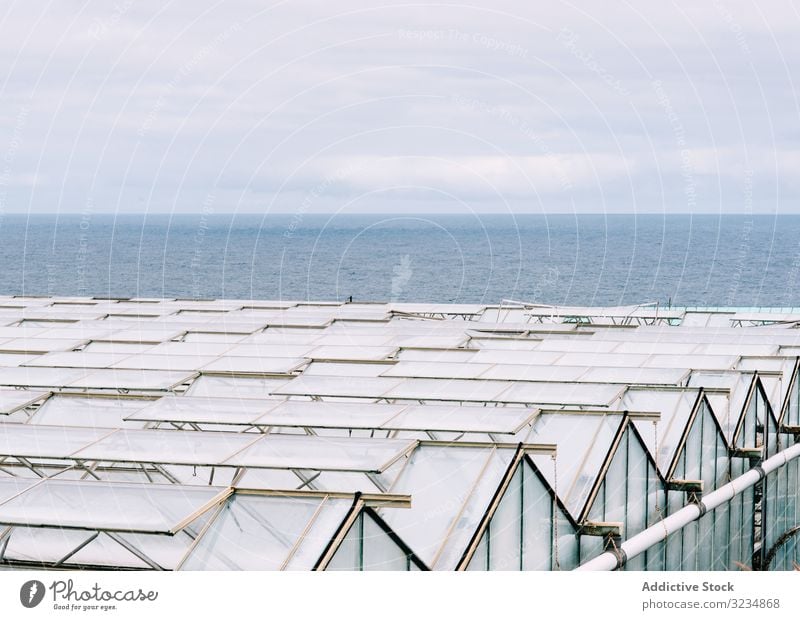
x,y
31,593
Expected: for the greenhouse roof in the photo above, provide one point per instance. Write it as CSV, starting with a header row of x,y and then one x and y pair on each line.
x,y
255,434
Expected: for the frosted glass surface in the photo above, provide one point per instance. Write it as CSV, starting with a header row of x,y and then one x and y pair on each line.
x,y
101,505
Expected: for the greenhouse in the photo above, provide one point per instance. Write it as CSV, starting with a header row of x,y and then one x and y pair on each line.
x,y
170,434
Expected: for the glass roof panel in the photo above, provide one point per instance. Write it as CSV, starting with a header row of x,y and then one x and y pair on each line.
x,y
445,370
365,387
583,394
436,355
589,437
118,379
14,400
501,420
675,407
87,411
337,352
474,508
475,390
46,441
541,358
254,365
151,361
260,532
29,376
112,506
309,452
327,414
77,359
347,369
235,387
203,409
156,446
435,477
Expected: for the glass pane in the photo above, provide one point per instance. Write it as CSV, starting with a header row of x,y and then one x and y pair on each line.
x,y
89,412
116,506
253,533
152,446
343,454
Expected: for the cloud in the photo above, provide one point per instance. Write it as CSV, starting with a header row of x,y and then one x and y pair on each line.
x,y
146,105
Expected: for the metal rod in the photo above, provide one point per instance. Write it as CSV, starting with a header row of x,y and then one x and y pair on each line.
x,y
634,546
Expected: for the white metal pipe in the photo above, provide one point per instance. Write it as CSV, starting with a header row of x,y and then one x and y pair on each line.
x,y
654,534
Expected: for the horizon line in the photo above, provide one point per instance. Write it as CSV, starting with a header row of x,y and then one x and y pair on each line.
x,y
397,213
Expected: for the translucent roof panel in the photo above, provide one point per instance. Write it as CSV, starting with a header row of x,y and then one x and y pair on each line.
x,y
8,360
155,446
649,348
580,344
308,452
589,437
474,390
501,420
41,345
205,349
87,411
505,344
540,358
363,387
14,400
736,349
40,377
526,372
436,355
151,361
339,369
738,385
201,409
635,375
437,477
235,387
77,359
269,533
583,394
269,350
254,365
120,348
437,370
46,441
121,379
332,352
117,506
326,414
675,408
272,336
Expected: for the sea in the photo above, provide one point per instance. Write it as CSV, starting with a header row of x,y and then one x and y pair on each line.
x,y
748,261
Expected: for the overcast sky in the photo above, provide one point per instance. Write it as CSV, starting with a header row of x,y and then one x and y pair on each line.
x,y
494,106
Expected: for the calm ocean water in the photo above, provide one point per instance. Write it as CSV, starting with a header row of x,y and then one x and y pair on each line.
x,y
585,259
